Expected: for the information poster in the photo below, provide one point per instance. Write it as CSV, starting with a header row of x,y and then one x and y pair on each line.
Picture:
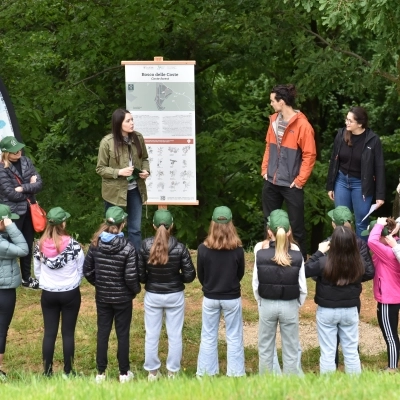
x,y
8,121
160,97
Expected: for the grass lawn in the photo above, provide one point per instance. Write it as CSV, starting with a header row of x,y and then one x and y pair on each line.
x,y
23,359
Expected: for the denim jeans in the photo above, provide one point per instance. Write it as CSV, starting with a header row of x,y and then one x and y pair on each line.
x,y
348,192
342,321
286,312
276,368
134,211
155,305
207,362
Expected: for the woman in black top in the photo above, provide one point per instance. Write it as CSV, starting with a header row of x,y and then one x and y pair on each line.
x,y
356,170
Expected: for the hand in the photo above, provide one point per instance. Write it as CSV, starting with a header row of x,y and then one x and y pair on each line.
x,y
296,186
396,229
398,188
390,240
381,221
324,247
144,174
33,179
331,195
7,221
379,203
127,171
265,176
19,189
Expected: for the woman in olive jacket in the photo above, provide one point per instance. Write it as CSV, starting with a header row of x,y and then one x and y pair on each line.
x,y
123,166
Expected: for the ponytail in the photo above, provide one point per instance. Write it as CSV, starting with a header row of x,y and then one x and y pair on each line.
x,y
159,249
282,244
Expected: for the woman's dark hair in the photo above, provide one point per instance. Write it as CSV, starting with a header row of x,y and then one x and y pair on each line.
x,y
361,117
287,93
343,265
116,129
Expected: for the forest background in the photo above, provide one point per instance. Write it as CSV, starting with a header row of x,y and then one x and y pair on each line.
x,y
60,61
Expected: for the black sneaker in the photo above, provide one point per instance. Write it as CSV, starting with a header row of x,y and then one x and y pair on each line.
x,y
31,283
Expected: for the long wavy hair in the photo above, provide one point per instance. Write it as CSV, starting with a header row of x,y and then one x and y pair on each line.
x,y
344,264
222,237
159,249
4,158
116,129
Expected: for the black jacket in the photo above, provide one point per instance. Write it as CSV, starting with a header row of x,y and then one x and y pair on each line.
x,y
275,281
332,296
168,278
112,268
372,165
17,201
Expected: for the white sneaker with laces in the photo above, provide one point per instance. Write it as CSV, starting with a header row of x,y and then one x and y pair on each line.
x,y
100,378
126,378
154,377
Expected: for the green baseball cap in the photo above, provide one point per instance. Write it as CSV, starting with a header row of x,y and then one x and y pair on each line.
x,y
222,215
384,232
57,216
115,215
163,217
10,144
5,212
279,219
340,215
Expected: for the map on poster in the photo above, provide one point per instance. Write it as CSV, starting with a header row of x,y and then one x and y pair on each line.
x,y
161,100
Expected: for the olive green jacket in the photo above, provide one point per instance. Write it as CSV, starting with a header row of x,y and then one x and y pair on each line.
x,y
114,188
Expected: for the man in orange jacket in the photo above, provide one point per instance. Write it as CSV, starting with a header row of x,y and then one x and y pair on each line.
x,y
288,160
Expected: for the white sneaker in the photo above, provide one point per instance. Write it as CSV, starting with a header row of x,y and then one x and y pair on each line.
x,y
100,378
126,378
154,377
171,375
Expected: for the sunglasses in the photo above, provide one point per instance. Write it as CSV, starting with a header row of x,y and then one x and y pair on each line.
x,y
16,152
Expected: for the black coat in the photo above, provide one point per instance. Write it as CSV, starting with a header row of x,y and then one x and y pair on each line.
x,y
332,296
17,201
112,268
168,278
372,165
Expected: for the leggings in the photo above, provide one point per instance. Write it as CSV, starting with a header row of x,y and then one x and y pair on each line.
x,y
388,318
55,305
7,306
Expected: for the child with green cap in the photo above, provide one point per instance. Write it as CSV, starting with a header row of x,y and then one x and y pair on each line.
x,y
165,265
111,267
58,260
220,268
281,291
12,246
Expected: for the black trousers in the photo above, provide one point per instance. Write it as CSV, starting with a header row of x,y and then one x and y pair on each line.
x,y
55,305
7,306
272,199
388,319
121,313
24,224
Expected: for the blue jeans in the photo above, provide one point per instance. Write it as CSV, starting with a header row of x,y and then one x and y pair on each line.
x,y
207,362
348,192
286,312
155,305
330,323
134,211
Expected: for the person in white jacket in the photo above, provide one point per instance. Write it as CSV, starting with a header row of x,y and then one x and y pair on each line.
x,y
58,259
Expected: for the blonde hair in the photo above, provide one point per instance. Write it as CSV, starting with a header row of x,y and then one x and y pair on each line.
x,y
54,232
265,243
106,228
5,158
282,244
222,237
159,249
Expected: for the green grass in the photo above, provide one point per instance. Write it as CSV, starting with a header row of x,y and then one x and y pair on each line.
x,y
23,358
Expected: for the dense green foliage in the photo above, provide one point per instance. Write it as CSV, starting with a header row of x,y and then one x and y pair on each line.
x,y
60,61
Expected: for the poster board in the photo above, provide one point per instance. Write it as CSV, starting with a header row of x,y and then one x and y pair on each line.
x,y
160,97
